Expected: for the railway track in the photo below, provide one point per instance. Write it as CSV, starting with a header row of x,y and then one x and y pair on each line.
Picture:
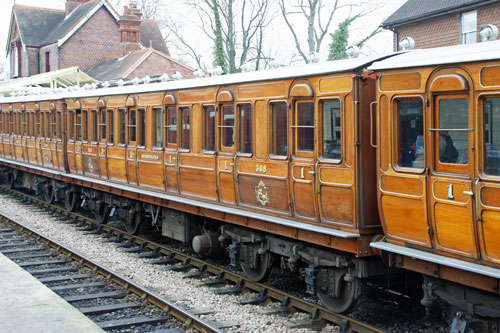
x,y
113,302
196,268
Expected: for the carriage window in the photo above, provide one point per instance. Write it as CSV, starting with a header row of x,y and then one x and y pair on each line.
x,y
121,130
2,130
131,127
25,123
141,130
71,131
111,127
410,124
245,128
59,125
102,125
171,125
491,113
227,126
209,128
332,130
95,125
453,131
279,129
78,126
11,123
158,127
304,126
54,124
84,124
185,127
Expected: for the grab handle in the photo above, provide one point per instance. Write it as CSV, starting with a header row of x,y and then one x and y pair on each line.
x,y
372,126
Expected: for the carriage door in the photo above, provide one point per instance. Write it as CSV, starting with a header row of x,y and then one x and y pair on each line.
x,y
303,159
131,156
487,189
171,129
227,154
452,168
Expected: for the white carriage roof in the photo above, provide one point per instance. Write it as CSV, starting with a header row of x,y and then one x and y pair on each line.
x,y
325,68
442,55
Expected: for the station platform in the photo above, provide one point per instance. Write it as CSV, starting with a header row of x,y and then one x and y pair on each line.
x,y
26,305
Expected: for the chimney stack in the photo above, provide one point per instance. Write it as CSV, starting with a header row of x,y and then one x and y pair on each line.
x,y
72,4
129,26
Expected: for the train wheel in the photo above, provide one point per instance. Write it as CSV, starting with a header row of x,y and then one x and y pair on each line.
x,y
133,223
263,267
48,193
71,201
10,179
101,213
345,298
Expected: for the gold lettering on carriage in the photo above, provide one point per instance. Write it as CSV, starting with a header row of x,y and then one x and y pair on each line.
x,y
149,156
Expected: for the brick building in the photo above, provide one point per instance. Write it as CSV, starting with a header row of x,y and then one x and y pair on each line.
x,y
433,23
87,34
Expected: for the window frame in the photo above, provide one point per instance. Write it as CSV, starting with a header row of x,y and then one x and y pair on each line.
x,y
110,126
220,129
271,129
294,129
481,129
168,144
464,33
122,127
154,144
85,124
204,150
141,120
102,125
395,142
238,127
129,127
71,125
320,130
94,121
180,128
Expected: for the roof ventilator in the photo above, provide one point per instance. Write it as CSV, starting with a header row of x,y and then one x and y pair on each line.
x,y
406,43
352,51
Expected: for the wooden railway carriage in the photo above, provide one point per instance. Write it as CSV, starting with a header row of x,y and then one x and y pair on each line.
x,y
438,169
279,159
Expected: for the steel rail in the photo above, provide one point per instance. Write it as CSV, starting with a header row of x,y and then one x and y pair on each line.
x,y
182,315
319,316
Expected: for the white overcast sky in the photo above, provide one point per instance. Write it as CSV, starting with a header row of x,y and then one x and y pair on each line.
x,y
382,43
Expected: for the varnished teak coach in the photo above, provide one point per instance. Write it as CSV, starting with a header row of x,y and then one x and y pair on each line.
x,y
317,169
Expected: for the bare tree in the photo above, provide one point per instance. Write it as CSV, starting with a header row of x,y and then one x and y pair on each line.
x,y
242,25
319,15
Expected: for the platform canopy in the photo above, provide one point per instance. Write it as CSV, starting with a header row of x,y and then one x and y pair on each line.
x,y
61,78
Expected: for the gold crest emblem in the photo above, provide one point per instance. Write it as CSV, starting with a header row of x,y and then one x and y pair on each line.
x,y
262,193
91,166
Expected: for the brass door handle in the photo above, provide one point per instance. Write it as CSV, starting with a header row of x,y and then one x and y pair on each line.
x,y
469,193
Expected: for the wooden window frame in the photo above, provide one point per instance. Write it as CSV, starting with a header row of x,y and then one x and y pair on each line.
x,y
321,130
131,142
141,127
180,129
238,130
102,125
71,125
122,128
78,115
295,127
94,121
481,130
154,126
173,108
204,149
110,127
221,126
395,155
85,123
271,130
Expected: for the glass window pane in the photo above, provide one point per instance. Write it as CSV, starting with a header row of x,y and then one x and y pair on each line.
x,y
158,127
280,129
185,127
94,125
332,130
492,136
111,126
102,125
172,125
54,124
228,126
84,125
305,126
121,139
410,115
141,122
59,125
78,126
70,127
209,134
132,123
245,128
453,145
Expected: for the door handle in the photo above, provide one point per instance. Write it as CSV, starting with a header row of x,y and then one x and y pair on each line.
x,y
469,193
